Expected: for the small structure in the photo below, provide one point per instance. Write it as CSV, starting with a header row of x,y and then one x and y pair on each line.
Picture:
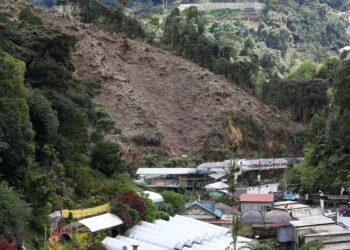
x,y
297,210
256,202
217,186
154,197
201,210
276,217
101,222
318,227
252,217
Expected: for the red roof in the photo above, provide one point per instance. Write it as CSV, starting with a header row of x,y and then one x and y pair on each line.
x,y
256,197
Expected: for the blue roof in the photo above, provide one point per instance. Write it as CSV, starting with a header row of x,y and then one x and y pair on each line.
x,y
207,205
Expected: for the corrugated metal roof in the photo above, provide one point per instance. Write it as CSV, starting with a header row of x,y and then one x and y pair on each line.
x,y
311,221
165,171
256,198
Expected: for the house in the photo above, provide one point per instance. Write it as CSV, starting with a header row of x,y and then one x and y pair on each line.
x,y
256,202
171,178
310,228
297,210
201,210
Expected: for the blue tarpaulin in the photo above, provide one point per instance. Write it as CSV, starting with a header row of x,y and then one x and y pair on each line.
x,y
289,196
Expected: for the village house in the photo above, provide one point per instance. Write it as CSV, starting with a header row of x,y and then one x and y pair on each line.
x,y
310,228
201,210
255,202
171,178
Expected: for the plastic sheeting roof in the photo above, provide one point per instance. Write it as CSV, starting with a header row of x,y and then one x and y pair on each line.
x,y
101,222
178,233
252,217
277,216
120,242
217,185
154,197
217,175
165,171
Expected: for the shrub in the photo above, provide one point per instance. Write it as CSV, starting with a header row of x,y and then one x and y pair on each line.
x,y
27,16
177,201
133,200
123,214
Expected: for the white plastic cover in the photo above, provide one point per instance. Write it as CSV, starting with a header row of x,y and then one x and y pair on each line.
x,y
217,185
178,233
121,242
221,230
154,197
101,222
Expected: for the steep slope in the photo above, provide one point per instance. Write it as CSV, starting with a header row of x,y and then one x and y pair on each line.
x,y
152,93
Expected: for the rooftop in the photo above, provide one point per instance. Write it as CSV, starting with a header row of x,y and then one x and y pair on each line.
x,y
101,222
312,221
280,203
290,207
256,198
165,171
207,205
178,233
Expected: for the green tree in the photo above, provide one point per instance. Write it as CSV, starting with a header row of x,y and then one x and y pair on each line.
x,y
43,117
14,212
106,157
16,133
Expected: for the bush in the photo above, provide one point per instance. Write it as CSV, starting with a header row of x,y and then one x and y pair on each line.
x,y
133,200
147,140
27,16
121,211
105,124
177,201
162,215
97,137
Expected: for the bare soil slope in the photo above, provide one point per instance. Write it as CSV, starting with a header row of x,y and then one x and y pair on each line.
x,y
154,94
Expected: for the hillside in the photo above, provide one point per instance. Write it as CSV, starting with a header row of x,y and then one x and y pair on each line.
x,y
153,94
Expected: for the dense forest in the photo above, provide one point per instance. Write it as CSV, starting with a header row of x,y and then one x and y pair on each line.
x,y
326,166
